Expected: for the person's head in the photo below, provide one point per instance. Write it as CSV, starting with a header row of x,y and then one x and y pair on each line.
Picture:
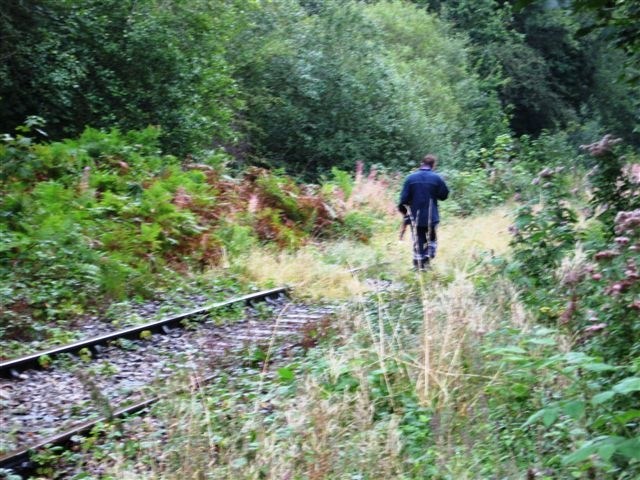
x,y
430,160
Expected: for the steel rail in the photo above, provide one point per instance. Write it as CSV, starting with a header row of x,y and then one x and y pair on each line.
x,y
19,460
11,368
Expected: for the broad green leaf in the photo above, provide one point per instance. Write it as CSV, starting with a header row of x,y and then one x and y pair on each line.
x,y
577,357
598,367
535,417
575,409
543,331
286,374
628,385
630,448
603,397
581,454
542,341
627,416
550,416
507,350
606,451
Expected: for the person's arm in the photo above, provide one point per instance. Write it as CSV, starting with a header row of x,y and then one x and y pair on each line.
x,y
406,221
405,198
443,190
403,228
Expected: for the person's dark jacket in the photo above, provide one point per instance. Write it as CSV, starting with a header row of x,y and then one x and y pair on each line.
x,y
421,188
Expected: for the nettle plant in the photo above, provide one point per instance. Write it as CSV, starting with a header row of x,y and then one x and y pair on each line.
x,y
600,400
612,184
593,296
613,289
543,232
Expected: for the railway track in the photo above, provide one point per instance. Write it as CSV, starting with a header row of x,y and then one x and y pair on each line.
x,y
113,375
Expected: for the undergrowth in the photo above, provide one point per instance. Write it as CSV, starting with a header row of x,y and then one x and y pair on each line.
x,y
107,218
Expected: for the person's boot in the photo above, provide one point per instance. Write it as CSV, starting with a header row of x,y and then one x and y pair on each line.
x,y
431,249
421,265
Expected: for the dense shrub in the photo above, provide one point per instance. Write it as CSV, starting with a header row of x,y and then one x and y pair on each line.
x,y
589,291
343,82
108,214
120,63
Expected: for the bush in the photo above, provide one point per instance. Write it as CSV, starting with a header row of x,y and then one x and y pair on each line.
x,y
107,215
471,192
356,226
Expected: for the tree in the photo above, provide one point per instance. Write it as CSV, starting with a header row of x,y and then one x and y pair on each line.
x,y
331,84
120,63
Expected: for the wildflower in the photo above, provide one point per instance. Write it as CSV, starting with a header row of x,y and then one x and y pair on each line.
x,y
604,146
627,222
631,271
595,328
617,288
596,276
546,173
606,254
622,240
614,289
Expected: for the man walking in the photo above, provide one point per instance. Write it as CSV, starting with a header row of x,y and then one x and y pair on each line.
x,y
419,199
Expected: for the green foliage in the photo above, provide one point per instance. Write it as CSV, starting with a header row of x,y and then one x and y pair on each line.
x,y
341,180
545,70
614,190
239,240
349,82
491,175
356,225
542,235
586,421
451,111
615,21
120,63
471,191
85,224
513,69
608,292
107,215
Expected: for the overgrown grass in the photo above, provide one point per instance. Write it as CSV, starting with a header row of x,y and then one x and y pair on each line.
x,y
377,402
382,398
445,375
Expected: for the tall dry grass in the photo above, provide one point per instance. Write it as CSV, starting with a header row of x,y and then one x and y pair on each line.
x,y
326,433
421,340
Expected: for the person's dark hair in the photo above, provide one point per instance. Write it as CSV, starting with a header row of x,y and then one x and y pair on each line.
x,y
429,160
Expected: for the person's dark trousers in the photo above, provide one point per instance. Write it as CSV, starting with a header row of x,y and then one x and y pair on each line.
x,y
424,250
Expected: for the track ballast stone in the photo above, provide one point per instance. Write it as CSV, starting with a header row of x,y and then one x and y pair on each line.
x,y
45,402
